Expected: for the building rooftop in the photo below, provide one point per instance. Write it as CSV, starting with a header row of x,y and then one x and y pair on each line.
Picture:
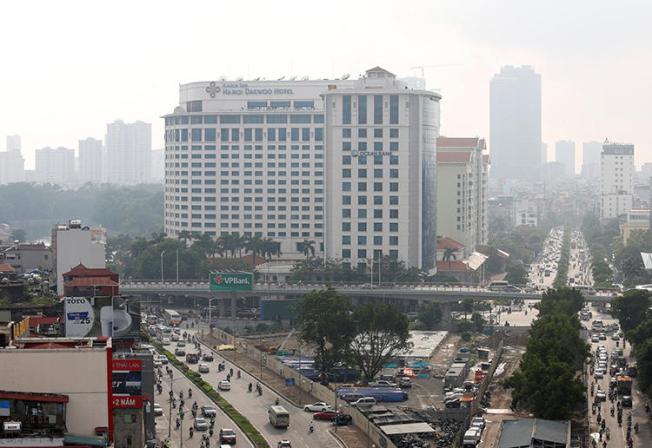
x,y
461,142
521,433
445,242
453,157
6,268
82,271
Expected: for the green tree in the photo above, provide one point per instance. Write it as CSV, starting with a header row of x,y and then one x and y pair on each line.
x,y
643,354
324,318
631,309
565,300
467,306
308,248
517,274
478,322
430,315
381,332
641,333
449,254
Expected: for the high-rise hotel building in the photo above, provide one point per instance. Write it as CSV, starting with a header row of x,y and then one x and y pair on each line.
x,y
380,169
347,164
247,157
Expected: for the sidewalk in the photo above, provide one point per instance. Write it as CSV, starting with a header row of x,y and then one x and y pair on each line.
x,y
351,436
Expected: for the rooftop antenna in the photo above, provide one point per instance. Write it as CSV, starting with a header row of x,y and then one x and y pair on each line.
x,y
346,76
281,78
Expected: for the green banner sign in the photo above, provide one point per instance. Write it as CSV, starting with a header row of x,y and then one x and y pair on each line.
x,y
231,281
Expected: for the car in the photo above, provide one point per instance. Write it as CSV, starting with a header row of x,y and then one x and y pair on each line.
x,y
364,402
177,330
615,337
181,344
175,337
224,385
478,422
180,352
602,337
208,411
203,368
162,358
601,395
327,415
342,420
227,436
350,397
598,374
165,341
404,382
157,362
320,406
284,444
626,401
158,410
595,338
208,357
200,424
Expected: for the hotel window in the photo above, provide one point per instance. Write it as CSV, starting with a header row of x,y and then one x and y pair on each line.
x,y
346,109
362,109
194,106
210,134
378,109
393,109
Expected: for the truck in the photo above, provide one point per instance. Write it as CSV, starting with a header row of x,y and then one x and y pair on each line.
x,y
624,385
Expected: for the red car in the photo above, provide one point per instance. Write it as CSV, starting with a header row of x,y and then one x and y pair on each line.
x,y
325,415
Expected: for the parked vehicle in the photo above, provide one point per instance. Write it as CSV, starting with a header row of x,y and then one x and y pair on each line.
x,y
278,416
158,410
382,383
471,437
364,402
328,415
320,406
381,394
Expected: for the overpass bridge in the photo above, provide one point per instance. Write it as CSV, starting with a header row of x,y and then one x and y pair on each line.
x,y
362,293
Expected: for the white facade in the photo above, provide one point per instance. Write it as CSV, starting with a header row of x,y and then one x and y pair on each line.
x,y
12,164
462,191
55,165
565,154
128,152
380,161
91,160
247,157
72,245
81,374
617,174
526,213
515,124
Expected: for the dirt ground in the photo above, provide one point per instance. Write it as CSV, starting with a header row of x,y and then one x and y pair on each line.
x,y
443,356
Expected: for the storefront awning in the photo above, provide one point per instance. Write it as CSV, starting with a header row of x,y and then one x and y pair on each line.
x,y
29,396
70,439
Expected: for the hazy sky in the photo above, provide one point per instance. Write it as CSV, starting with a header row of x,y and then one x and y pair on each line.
x,y
69,67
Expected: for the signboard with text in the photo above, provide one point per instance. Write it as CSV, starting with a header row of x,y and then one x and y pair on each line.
x,y
127,383
231,281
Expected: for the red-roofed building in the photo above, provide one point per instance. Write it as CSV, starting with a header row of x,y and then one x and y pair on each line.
x,y
462,191
81,281
7,269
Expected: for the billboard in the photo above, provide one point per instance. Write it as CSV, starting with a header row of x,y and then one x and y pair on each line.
x,y
115,317
231,281
127,383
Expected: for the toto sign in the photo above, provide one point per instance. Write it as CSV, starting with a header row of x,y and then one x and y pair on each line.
x,y
231,281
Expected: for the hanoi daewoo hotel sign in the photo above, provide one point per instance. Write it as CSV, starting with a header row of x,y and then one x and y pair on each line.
x,y
239,88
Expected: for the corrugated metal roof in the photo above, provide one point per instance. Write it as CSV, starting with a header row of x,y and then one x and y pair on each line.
x,y
521,433
647,260
407,428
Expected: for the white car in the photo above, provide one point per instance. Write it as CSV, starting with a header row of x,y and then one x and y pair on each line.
x,y
203,368
161,358
175,337
165,341
320,406
158,410
224,385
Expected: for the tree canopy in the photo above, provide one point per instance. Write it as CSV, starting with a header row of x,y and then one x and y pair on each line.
x,y
631,309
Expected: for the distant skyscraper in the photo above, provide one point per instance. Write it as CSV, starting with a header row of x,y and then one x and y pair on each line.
x,y
12,164
14,143
565,154
55,165
90,160
515,120
591,159
617,179
128,151
544,153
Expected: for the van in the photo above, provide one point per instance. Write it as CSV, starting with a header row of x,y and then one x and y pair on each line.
x,y
471,437
279,417
364,402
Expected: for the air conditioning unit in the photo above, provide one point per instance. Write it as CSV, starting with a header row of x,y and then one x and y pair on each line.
x,y
12,427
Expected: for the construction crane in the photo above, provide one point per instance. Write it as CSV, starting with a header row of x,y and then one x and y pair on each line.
x,y
423,67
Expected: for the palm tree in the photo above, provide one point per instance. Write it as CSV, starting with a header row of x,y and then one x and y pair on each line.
x,y
270,248
449,254
184,236
308,248
255,245
230,243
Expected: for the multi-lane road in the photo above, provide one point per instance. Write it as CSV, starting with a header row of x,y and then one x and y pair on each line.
x,y
255,407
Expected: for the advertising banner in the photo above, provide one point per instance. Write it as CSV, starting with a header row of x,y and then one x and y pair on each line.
x,y
88,316
231,281
127,402
115,317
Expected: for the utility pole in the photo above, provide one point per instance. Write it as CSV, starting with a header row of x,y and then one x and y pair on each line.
x,y
371,277
177,266
162,278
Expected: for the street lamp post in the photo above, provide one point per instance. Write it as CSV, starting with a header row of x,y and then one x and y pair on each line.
x,y
177,266
162,277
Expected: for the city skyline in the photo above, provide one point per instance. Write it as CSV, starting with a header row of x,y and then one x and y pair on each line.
x,y
79,106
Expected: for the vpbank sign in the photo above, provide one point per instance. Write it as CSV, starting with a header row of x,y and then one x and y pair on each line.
x,y
231,281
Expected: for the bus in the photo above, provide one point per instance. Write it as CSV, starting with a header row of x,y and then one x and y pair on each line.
x,y
171,317
278,417
498,285
163,332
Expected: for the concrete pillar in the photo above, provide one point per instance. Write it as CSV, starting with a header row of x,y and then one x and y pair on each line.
x,y
234,303
223,303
